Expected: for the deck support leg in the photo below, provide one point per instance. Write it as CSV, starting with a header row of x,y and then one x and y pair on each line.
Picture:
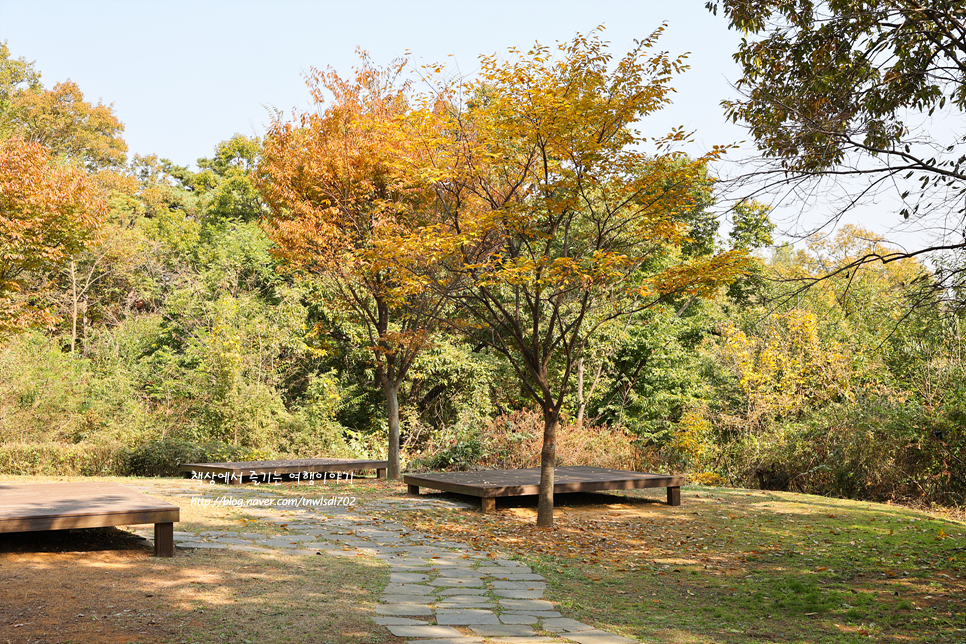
x,y
164,539
381,473
412,489
674,496
487,504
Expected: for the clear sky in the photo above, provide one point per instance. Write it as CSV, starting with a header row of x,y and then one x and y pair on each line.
x,y
184,75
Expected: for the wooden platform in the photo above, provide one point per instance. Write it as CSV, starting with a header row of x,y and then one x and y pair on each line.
x,y
288,471
489,484
62,506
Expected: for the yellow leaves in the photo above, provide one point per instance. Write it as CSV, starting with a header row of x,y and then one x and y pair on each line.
x,y
704,275
787,365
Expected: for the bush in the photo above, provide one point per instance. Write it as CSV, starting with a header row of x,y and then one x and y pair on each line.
x,y
56,459
514,441
164,457
873,449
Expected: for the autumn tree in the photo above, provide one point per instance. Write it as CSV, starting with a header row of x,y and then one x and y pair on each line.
x,y
16,75
338,207
851,98
48,212
63,122
554,220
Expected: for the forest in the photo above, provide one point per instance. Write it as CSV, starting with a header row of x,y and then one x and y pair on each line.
x,y
504,272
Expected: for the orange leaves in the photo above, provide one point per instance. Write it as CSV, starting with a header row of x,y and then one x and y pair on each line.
x,y
47,212
63,122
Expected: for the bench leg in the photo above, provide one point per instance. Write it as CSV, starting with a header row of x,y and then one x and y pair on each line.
x,y
163,539
412,489
381,473
487,504
674,496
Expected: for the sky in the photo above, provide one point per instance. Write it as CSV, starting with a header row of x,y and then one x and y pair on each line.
x,y
184,75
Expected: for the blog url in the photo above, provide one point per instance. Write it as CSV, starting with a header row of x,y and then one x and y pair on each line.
x,y
345,501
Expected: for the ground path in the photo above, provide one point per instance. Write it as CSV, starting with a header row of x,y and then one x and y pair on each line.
x,y
439,591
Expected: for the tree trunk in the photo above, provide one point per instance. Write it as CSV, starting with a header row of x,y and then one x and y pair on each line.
x,y
581,403
74,304
548,455
392,409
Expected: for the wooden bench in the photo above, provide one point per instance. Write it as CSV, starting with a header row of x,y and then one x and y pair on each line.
x,y
286,471
62,506
490,484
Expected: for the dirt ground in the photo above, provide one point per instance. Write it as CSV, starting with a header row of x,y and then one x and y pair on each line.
x,y
115,592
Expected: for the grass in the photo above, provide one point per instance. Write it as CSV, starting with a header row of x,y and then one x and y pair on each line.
x,y
733,566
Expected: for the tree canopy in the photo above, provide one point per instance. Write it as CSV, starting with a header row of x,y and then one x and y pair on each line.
x,y
845,92
553,221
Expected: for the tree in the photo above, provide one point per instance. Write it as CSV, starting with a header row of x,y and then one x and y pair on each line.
x,y
227,181
554,222
339,206
48,212
842,93
61,120
15,76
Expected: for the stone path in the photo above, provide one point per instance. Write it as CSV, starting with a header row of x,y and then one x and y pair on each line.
x,y
439,591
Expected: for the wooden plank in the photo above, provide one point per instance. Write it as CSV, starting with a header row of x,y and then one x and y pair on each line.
x,y
489,484
61,506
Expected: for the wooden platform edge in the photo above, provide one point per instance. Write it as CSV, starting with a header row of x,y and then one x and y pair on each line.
x,y
93,520
489,495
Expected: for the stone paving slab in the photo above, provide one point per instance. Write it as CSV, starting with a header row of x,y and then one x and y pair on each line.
x,y
463,591
465,617
386,621
408,589
480,604
518,630
422,631
539,639
526,604
457,581
559,624
449,640
460,572
518,619
405,599
404,609
520,585
597,637
499,571
518,594
466,599
278,543
407,577
543,614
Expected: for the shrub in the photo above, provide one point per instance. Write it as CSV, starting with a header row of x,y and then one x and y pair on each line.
x,y
56,459
164,457
514,441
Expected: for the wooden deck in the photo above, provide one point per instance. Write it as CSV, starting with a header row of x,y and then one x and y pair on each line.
x,y
489,484
289,471
62,506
